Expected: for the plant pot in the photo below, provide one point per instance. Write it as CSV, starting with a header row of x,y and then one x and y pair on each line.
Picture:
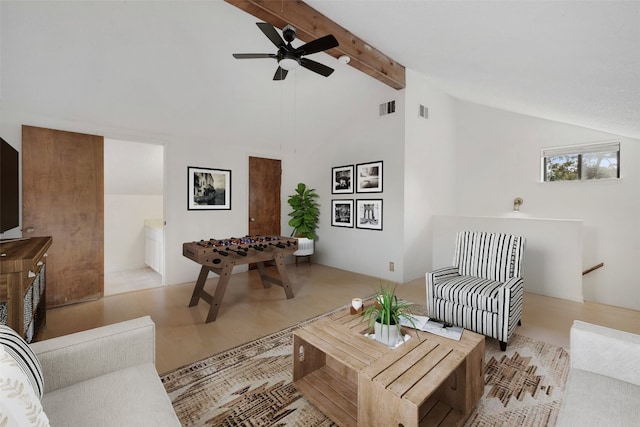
x,y
386,334
305,247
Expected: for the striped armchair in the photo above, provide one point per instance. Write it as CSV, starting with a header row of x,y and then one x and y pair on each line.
x,y
483,290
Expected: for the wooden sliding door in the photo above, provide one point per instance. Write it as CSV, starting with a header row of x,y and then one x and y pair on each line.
x,y
63,197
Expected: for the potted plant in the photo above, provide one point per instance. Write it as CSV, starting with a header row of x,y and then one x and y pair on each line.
x,y
383,316
304,214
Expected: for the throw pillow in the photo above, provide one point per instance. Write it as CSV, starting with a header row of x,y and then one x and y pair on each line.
x,y
26,359
19,405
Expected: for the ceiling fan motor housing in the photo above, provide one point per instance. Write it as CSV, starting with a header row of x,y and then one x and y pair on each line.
x,y
289,33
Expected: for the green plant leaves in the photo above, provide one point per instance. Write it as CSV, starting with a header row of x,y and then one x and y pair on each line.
x,y
388,309
305,212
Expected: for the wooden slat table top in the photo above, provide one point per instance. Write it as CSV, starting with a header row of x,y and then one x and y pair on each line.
x,y
328,347
368,345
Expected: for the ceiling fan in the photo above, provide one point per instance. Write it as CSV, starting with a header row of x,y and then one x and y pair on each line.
x,y
290,57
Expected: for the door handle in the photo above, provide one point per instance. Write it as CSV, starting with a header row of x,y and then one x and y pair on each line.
x,y
252,219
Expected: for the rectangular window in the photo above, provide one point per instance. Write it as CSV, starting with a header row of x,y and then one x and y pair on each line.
x,y
581,162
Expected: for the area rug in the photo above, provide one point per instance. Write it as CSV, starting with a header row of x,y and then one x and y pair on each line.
x,y
250,385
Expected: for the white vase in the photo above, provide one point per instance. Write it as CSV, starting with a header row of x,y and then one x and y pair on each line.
x,y
386,334
305,247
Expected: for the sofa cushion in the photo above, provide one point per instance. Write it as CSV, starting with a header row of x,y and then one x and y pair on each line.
x,y
481,294
24,356
133,396
597,400
594,348
19,405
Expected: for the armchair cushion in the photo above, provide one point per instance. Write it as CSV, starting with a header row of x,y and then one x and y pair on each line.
x,y
481,294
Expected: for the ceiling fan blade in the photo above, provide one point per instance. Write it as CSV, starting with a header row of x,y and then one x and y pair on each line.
x,y
316,67
280,74
317,45
253,55
271,33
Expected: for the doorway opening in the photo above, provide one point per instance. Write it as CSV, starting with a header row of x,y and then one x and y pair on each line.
x,y
133,216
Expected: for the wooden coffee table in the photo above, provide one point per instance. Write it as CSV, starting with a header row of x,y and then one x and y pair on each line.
x,y
356,381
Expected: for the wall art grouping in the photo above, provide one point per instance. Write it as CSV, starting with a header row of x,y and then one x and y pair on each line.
x,y
208,189
359,178
366,177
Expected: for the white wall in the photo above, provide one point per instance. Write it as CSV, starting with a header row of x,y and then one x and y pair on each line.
x,y
124,237
429,178
364,137
498,159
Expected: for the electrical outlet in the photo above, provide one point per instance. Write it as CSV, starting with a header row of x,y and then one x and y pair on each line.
x,y
391,266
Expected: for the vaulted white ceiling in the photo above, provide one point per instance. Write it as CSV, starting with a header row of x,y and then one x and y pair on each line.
x,y
571,61
167,65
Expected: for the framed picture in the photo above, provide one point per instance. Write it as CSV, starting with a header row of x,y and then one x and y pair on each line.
x,y
342,213
369,214
342,180
209,189
369,177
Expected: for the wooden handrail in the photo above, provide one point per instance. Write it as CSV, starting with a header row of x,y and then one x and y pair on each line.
x,y
595,267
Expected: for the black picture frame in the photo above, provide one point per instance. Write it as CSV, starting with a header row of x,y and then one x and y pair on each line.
x,y
342,213
369,214
369,177
342,179
208,189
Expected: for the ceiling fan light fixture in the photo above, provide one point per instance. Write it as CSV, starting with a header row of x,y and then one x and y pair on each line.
x,y
289,63
289,57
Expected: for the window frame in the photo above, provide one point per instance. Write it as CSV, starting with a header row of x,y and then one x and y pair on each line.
x,y
579,151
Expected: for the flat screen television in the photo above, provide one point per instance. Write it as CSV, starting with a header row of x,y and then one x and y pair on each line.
x,y
9,195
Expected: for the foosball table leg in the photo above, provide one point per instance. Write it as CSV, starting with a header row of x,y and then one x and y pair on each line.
x,y
282,269
214,300
263,275
197,290
221,288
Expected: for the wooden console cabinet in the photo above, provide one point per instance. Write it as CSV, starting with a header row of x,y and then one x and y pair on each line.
x,y
23,284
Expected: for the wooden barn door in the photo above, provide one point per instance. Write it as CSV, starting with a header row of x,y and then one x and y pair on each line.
x,y
63,197
264,196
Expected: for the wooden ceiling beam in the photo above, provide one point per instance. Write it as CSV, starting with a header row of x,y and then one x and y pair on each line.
x,y
311,24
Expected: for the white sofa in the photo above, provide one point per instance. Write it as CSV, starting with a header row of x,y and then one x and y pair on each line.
x,y
603,388
104,377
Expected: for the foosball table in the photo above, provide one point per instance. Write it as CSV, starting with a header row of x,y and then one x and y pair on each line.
x,y
220,256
